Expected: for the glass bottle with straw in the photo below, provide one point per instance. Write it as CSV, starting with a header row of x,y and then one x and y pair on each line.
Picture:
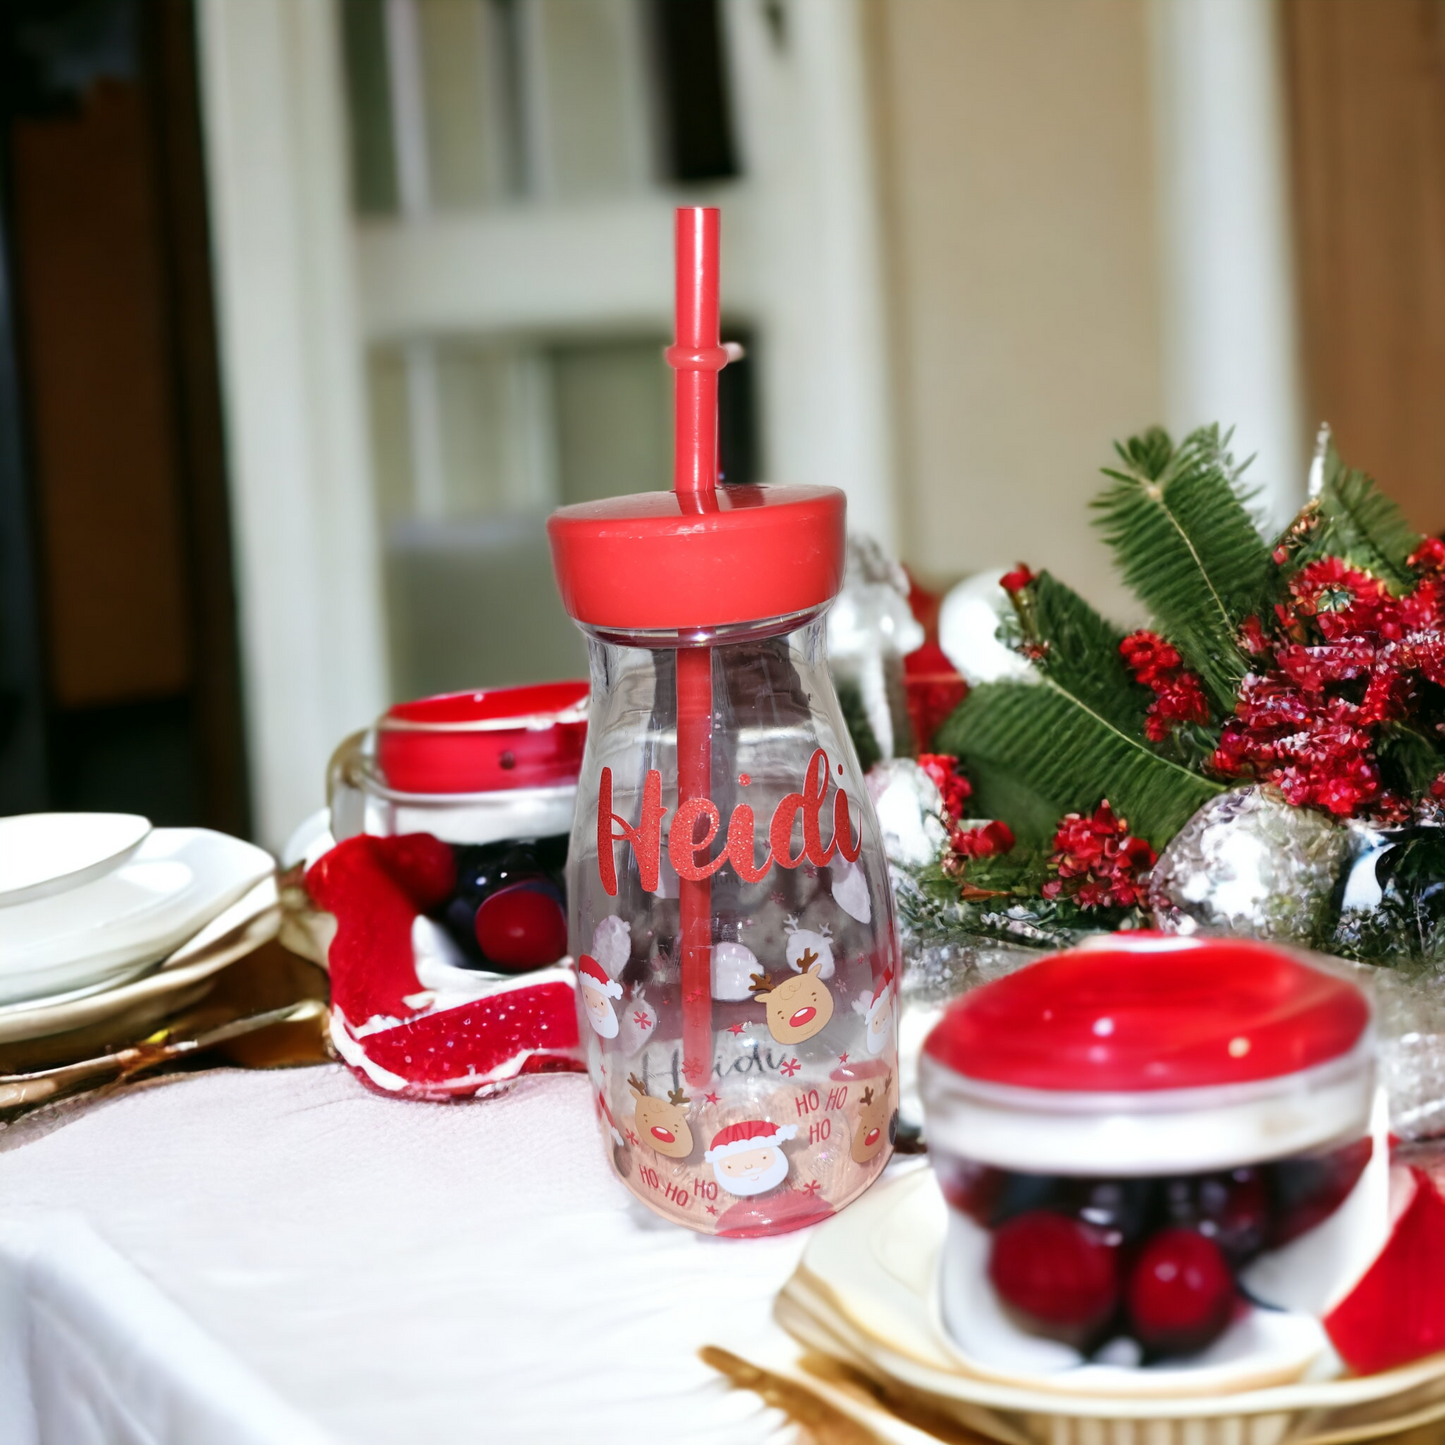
x,y
729,908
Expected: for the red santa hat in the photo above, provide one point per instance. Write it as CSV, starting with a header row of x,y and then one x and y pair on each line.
x,y
750,1134
592,973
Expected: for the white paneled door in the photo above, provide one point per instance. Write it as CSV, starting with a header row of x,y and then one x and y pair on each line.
x,y
442,233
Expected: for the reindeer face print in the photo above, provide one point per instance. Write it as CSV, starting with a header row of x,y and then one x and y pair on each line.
x,y
798,1007
871,1130
662,1125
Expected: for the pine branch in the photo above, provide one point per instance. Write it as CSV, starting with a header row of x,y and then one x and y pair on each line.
x,y
1354,519
1411,755
1078,649
935,911
1178,522
1051,742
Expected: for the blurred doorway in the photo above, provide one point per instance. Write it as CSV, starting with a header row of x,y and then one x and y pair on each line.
x,y
120,686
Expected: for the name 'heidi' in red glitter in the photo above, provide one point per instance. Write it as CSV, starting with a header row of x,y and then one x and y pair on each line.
x,y
683,844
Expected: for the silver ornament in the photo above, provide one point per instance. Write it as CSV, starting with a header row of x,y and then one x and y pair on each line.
x,y
1249,865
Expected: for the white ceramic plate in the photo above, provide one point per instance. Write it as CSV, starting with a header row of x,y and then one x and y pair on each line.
x,y
239,930
47,853
866,1292
176,882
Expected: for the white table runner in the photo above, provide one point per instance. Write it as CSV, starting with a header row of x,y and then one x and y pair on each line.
x,y
241,1258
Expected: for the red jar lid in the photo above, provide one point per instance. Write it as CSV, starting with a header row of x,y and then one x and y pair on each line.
x,y
657,560
483,742
1145,1012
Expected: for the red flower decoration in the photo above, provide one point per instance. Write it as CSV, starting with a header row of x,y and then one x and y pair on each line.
x,y
1344,660
1429,556
1014,582
1097,862
942,768
1178,693
982,842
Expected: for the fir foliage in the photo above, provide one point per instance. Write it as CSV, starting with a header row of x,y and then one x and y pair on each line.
x,y
1353,519
1178,522
1038,750
1001,902
1078,650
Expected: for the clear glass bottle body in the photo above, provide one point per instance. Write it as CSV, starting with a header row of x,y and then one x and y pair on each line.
x,y
759,1094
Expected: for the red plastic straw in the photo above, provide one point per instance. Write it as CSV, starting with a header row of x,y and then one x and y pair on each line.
x,y
696,356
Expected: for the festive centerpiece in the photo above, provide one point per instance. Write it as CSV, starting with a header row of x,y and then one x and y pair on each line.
x,y
1266,759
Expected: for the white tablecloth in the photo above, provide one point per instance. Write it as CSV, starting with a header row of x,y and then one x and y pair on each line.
x,y
240,1258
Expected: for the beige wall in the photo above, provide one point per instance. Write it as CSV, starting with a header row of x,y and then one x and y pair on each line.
x,y
1016,167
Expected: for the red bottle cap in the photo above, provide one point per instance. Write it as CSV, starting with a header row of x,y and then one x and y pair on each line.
x,y
483,742
653,561
1144,1012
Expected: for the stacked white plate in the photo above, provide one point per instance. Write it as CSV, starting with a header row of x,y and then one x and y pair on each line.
x,y
866,1296
90,902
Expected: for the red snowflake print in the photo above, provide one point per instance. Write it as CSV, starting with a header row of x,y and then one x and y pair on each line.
x,y
789,1067
810,1188
736,1028
710,1098
641,1020
631,1137
842,1058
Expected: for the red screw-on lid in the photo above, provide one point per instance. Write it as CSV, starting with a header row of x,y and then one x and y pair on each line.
x,y
1141,1012
654,561
483,742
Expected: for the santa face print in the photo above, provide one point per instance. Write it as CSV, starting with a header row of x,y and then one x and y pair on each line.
x,y
879,1031
752,1171
600,1013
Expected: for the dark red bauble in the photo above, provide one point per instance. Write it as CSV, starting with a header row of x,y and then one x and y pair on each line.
x,y
1181,1293
521,927
1057,1270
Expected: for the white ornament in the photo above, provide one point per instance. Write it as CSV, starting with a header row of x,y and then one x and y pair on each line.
x,y
968,624
907,803
612,945
733,967
850,892
807,940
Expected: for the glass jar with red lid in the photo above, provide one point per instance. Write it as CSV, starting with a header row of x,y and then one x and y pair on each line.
x,y
1154,1150
451,819
729,906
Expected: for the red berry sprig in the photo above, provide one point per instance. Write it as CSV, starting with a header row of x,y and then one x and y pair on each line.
x,y
1341,659
1178,693
1097,862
